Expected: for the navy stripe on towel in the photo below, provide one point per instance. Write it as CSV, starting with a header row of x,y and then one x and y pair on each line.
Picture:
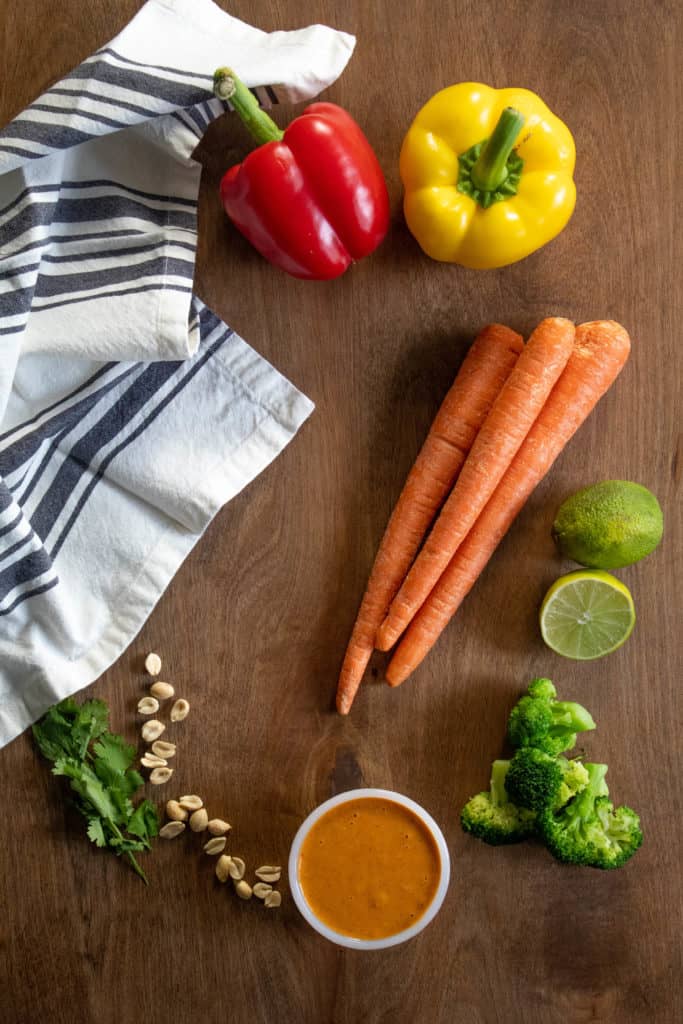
x,y
5,147
30,593
196,366
159,286
86,449
30,567
54,108
50,408
98,97
92,209
14,523
56,428
5,502
107,183
58,239
156,67
54,136
178,94
51,285
16,302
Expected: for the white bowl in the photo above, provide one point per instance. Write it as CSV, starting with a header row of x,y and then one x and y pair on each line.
x,y
390,940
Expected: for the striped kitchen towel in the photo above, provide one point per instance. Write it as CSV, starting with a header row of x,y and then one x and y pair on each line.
x,y
129,413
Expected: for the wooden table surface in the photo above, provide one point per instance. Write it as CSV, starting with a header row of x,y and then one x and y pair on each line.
x,y
253,628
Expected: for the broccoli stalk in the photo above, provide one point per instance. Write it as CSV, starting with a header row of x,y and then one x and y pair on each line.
x,y
492,817
589,831
537,781
540,720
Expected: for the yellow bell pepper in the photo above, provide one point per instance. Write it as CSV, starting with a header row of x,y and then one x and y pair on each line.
x,y
474,194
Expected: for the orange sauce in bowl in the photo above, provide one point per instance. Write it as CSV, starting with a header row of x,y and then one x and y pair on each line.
x,y
369,868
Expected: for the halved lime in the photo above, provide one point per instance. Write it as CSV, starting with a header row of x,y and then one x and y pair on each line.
x,y
587,614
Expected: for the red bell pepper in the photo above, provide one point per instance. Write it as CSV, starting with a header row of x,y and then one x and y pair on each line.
x,y
311,199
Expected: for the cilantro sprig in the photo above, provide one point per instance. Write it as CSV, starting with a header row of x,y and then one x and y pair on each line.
x,y
97,762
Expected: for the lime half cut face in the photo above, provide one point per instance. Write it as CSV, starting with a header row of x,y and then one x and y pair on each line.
x,y
586,615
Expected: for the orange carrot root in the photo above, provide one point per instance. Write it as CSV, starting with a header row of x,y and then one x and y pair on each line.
x,y
502,433
482,375
600,352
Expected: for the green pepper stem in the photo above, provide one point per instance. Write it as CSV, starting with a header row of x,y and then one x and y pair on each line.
x,y
227,86
490,170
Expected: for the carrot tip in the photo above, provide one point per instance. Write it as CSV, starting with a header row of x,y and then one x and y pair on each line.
x,y
395,677
384,640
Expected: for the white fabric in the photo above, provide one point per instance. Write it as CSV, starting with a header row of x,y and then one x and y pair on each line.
x,y
129,413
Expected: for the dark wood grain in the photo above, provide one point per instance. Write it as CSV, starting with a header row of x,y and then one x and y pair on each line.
x,y
253,628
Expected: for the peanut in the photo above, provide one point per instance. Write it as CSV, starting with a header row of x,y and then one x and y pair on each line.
x,y
261,890
214,846
191,803
153,664
218,827
163,749
171,829
152,761
199,820
152,730
148,706
175,812
243,889
162,691
223,868
237,868
267,873
180,710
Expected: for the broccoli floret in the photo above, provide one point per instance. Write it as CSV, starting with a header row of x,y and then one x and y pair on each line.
x,y
492,817
543,688
537,781
539,720
589,831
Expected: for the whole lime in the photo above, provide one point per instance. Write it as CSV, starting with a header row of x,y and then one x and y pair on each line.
x,y
609,525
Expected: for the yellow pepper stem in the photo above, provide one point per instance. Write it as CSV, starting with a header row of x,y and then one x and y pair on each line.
x,y
491,170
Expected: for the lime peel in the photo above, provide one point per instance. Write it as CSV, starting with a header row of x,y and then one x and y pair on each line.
x,y
609,525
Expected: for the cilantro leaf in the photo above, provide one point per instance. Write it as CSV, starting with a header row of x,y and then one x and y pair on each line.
x,y
84,782
92,721
53,733
121,785
50,745
115,751
144,821
67,728
126,783
96,832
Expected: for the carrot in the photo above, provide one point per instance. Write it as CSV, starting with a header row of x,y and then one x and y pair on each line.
x,y
512,415
600,352
463,410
